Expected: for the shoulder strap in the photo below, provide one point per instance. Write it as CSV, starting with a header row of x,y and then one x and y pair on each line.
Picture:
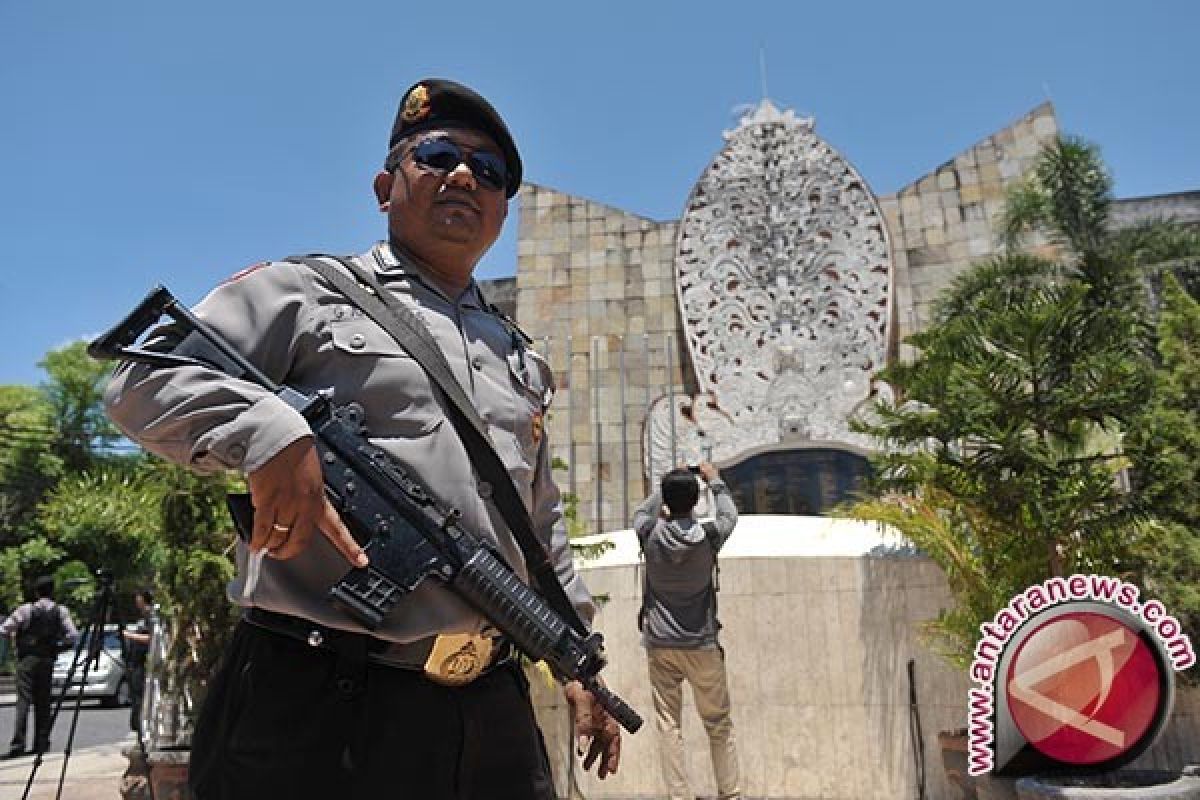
x,y
412,334
711,533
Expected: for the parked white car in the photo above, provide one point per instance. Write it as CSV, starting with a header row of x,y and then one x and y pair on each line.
x,y
106,676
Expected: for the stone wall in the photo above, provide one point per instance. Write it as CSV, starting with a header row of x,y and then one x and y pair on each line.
x,y
817,651
596,289
596,286
1181,207
946,220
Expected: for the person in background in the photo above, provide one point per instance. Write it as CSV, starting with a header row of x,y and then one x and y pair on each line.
x,y
678,621
137,645
41,630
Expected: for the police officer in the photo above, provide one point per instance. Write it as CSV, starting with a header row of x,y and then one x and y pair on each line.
x,y
287,716
41,629
137,647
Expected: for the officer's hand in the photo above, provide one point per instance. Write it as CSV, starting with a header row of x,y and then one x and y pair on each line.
x,y
288,493
708,472
597,734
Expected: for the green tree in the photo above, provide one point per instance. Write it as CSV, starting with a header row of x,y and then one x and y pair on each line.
x,y
1164,444
197,565
1003,450
107,517
73,393
28,466
48,434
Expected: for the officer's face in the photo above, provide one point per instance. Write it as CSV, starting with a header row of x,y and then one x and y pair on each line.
x,y
435,211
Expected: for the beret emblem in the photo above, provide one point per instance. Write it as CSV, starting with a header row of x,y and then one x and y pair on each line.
x,y
416,105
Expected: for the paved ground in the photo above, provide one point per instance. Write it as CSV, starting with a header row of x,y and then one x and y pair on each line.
x,y
96,726
93,773
96,764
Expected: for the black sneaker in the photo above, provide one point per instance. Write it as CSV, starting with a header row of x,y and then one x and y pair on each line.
x,y
15,752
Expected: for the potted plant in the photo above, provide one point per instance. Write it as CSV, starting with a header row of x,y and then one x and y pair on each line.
x,y
195,620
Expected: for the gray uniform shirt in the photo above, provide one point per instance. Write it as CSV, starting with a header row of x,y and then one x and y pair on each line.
x,y
18,620
678,591
300,331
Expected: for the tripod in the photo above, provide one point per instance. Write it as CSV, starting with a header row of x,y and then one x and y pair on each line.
x,y
93,634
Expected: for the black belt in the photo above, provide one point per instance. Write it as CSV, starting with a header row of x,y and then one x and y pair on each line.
x,y
401,655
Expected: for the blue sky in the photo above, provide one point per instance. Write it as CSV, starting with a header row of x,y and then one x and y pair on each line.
x,y
145,142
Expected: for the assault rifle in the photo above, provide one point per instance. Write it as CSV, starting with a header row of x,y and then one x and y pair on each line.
x,y
408,537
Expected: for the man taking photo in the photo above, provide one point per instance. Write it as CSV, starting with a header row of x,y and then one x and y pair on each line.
x,y
678,621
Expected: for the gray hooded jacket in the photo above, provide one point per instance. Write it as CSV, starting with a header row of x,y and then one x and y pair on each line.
x,y
678,603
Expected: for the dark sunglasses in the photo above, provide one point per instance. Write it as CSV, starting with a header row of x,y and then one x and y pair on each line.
x,y
444,156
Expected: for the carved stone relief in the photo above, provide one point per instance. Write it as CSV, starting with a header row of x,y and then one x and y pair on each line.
x,y
783,271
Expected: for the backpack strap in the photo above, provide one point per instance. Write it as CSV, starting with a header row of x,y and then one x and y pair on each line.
x,y
713,536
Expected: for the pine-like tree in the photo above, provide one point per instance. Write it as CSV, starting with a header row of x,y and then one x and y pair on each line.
x,y
1002,457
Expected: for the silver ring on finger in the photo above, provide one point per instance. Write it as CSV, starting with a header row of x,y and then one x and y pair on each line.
x,y
281,528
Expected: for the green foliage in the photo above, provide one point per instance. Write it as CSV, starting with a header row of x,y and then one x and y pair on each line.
x,y
1164,443
970,547
577,528
73,393
1068,197
1004,449
76,586
49,436
11,590
1010,408
196,567
68,506
28,465
107,517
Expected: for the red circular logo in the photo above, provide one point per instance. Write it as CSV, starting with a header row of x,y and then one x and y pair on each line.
x,y
1083,688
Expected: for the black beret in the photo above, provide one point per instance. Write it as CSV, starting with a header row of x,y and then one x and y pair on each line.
x,y
439,103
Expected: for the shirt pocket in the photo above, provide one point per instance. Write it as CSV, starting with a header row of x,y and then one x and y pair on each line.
x,y
373,370
529,397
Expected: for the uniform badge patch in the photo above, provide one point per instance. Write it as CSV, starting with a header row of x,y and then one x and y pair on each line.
x,y
416,105
237,276
458,658
538,427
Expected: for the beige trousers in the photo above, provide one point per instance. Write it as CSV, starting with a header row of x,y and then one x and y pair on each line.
x,y
704,669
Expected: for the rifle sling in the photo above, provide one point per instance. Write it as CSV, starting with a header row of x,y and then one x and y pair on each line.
x,y
411,333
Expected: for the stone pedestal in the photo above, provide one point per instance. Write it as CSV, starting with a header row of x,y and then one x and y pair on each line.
x,y
169,774
953,746
135,783
1119,785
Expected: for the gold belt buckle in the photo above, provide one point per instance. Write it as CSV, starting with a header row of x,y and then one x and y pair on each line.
x,y
458,658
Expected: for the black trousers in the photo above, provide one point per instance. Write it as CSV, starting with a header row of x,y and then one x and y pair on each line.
x,y
137,690
283,719
33,689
